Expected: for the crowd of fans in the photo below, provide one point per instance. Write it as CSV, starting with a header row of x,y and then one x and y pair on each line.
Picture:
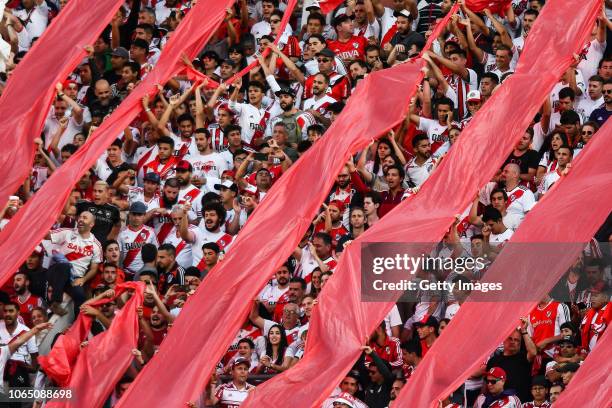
x,y
167,199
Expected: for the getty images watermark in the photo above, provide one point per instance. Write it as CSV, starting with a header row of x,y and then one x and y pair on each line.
x,y
429,272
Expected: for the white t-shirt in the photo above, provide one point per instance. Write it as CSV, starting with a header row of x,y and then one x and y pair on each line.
x,y
418,174
22,354
588,66
5,354
81,252
392,319
36,19
52,125
497,240
208,165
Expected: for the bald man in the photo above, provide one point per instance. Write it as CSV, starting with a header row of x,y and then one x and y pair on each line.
x,y
520,198
104,100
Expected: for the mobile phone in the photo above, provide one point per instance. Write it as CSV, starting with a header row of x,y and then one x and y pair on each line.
x,y
260,156
248,149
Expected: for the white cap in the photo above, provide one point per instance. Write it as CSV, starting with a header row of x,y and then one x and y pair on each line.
x,y
250,189
473,96
311,3
403,13
346,398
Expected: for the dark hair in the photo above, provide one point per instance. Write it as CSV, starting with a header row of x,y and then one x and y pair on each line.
x,y
323,236
418,139
325,77
231,128
108,243
569,117
134,66
166,140
185,117
400,170
301,281
213,246
148,253
446,101
192,271
318,37
459,52
70,148
476,236
147,27
315,128
257,84
499,190
504,47
491,214
374,195
168,247
377,159
361,63
274,2
216,207
316,16
247,341
282,346
493,77
210,197
547,145
567,92
531,12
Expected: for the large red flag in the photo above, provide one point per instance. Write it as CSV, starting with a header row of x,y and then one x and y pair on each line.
x,y
106,357
553,220
26,99
341,317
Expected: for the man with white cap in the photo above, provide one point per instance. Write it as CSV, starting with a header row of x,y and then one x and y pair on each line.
x,y
404,39
233,393
474,103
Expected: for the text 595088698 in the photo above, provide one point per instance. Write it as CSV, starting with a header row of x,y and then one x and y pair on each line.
x,y
33,394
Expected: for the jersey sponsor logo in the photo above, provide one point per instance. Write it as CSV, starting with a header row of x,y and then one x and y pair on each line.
x,y
128,246
83,251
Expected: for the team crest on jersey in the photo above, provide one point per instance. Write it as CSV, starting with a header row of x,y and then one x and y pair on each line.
x,y
356,45
548,313
143,235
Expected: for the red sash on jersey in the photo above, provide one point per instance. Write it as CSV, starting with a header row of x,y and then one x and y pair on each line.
x,y
223,242
143,234
217,141
602,316
184,149
167,167
388,35
164,230
259,132
180,247
463,226
514,196
192,195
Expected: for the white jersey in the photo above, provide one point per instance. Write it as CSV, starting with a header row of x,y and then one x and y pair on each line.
x,y
272,293
36,19
329,403
184,249
549,179
5,354
588,66
253,120
136,194
194,195
230,396
498,240
208,165
22,354
81,252
586,106
130,244
417,174
320,105
52,125
434,130
520,201
510,401
183,147
204,236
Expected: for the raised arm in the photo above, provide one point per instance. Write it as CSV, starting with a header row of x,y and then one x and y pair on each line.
x,y
77,111
500,29
297,73
471,42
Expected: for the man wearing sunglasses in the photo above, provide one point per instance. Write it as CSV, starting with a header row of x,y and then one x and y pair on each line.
x,y
601,114
495,395
339,86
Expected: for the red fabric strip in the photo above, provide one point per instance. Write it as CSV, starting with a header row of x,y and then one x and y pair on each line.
x,y
341,317
180,376
104,360
553,219
593,378
496,6
30,89
32,221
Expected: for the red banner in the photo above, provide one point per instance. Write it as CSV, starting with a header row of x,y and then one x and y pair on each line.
x,y
496,6
105,359
592,382
28,95
553,219
32,221
341,317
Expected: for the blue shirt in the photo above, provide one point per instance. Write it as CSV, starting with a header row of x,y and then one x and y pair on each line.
x,y
600,115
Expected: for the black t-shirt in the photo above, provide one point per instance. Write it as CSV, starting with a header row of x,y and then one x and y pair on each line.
x,y
107,216
518,370
529,160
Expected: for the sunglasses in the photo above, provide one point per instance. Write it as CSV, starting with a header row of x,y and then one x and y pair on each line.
x,y
566,345
275,21
607,91
323,59
491,382
587,132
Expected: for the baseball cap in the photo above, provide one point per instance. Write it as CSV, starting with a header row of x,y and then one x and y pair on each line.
x,y
69,82
338,204
241,360
140,43
335,107
138,207
230,185
497,372
250,189
427,320
473,96
540,380
228,173
121,52
183,165
568,368
326,52
345,398
403,13
567,339
152,177
285,90
311,5
341,18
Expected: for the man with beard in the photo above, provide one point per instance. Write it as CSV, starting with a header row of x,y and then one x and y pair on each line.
x,y
316,254
347,46
107,216
564,157
344,192
147,194
206,163
133,236
168,271
488,82
601,114
339,87
387,348
597,318
526,158
317,105
253,117
161,215
421,165
592,100
164,163
188,193
35,271
296,122
185,238
235,216
404,38
529,17
330,221
24,298
213,217
275,290
295,294
104,100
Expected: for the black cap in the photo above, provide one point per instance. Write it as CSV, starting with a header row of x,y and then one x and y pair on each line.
x,y
326,52
341,18
568,339
138,207
285,90
152,177
568,368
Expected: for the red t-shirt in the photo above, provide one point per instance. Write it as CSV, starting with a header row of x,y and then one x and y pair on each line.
x,y
353,49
